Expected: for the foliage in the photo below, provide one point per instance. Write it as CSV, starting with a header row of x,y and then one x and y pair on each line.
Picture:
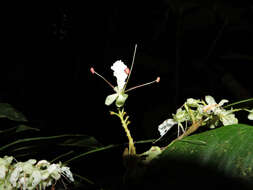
x,y
227,149
221,158
16,140
216,149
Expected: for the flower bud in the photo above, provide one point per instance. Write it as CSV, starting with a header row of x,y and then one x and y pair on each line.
x,y
127,71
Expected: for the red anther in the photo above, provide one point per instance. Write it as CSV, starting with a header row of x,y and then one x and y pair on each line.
x,y
157,79
127,71
92,70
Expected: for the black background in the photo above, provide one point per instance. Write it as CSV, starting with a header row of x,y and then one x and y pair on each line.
x,y
198,48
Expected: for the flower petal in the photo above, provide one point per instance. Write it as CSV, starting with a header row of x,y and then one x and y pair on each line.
x,y
181,116
110,99
210,100
250,116
166,126
222,102
192,102
229,119
119,72
121,100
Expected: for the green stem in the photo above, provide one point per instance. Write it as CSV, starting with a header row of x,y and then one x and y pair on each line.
x,y
125,123
38,139
191,130
239,102
89,152
62,155
190,113
84,179
105,148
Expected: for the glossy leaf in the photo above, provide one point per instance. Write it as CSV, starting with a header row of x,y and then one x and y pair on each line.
x,y
221,158
228,149
7,111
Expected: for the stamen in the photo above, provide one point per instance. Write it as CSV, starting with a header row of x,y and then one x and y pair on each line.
x,y
145,84
131,68
92,70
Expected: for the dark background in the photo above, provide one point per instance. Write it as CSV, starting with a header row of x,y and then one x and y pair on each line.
x,y
196,47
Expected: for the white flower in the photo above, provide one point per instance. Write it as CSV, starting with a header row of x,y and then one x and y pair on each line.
x,y
15,175
212,106
121,73
119,69
225,116
181,116
3,171
4,164
36,176
42,163
250,116
23,182
192,102
54,171
166,126
66,172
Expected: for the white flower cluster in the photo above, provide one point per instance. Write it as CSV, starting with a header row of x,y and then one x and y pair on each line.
x,y
208,111
31,174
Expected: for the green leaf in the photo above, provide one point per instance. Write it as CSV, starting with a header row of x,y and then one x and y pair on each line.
x,y
22,128
7,111
108,147
39,139
110,99
228,149
17,129
87,142
221,157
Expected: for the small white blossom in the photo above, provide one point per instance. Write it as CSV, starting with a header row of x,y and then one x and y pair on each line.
x,y
166,126
36,178
119,72
4,164
192,102
15,175
250,116
66,172
3,171
212,106
54,171
227,118
181,116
